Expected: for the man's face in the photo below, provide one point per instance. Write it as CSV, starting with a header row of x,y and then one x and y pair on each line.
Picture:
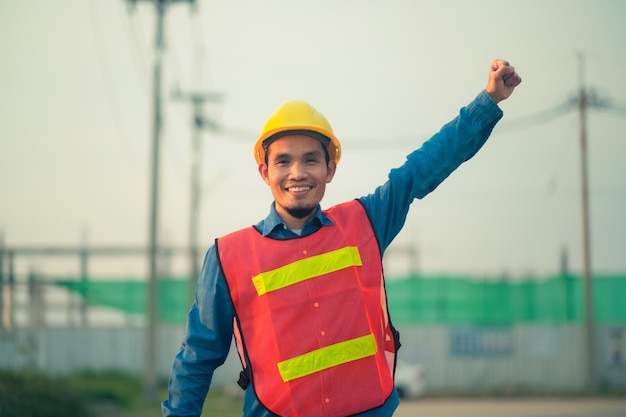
x,y
297,174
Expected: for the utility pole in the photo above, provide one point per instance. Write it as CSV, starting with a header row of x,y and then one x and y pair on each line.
x,y
84,255
583,102
150,342
2,305
200,122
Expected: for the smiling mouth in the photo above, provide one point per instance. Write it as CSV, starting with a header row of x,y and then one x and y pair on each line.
x,y
298,189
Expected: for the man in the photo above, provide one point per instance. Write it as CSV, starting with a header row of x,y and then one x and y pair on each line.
x,y
303,292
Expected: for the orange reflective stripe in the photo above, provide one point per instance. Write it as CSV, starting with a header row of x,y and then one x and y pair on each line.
x,y
327,357
308,268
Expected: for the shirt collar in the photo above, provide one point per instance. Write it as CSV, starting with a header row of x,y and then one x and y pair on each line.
x,y
273,222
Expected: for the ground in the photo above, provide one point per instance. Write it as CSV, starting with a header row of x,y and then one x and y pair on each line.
x,y
542,407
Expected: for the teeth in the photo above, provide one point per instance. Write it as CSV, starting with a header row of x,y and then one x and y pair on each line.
x,y
296,189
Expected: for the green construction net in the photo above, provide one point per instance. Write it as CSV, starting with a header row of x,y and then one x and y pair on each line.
x,y
432,299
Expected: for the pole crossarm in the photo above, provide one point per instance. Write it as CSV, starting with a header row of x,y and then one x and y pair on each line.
x,y
198,99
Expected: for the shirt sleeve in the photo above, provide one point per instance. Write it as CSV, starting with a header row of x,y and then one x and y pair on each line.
x,y
426,167
206,344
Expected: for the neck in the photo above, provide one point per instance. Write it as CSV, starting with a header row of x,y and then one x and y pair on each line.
x,y
295,223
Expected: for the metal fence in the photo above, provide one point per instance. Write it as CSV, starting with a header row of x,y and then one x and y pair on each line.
x,y
455,359
512,336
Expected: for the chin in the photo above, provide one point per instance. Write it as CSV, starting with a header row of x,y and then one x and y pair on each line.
x,y
300,212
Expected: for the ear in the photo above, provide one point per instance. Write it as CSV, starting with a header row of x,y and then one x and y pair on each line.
x,y
264,174
330,171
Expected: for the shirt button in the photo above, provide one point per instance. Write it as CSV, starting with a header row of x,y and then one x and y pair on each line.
x,y
323,333
304,252
326,400
316,304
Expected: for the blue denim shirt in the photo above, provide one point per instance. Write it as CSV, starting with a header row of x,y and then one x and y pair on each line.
x,y
210,320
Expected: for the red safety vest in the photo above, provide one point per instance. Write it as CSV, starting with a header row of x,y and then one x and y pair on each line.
x,y
311,321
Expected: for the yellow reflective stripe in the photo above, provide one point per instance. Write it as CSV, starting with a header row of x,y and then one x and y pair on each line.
x,y
327,357
306,269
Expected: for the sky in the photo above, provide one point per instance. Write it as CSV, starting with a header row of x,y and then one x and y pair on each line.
x,y
76,121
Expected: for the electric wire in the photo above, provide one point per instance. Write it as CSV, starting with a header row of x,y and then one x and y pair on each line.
x,y
542,117
110,88
392,143
551,188
612,109
200,48
172,59
140,60
175,157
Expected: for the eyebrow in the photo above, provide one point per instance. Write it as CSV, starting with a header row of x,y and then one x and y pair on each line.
x,y
313,153
286,155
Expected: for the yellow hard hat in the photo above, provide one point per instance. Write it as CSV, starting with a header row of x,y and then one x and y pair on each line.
x,y
297,117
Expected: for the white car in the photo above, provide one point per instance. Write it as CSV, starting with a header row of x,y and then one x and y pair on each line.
x,y
409,379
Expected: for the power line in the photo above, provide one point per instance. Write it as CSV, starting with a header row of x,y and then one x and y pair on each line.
x,y
140,60
542,117
109,86
614,110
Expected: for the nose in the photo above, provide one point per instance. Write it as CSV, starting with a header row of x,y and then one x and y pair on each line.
x,y
298,171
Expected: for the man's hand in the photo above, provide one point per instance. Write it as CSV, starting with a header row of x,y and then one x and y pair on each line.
x,y
502,80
